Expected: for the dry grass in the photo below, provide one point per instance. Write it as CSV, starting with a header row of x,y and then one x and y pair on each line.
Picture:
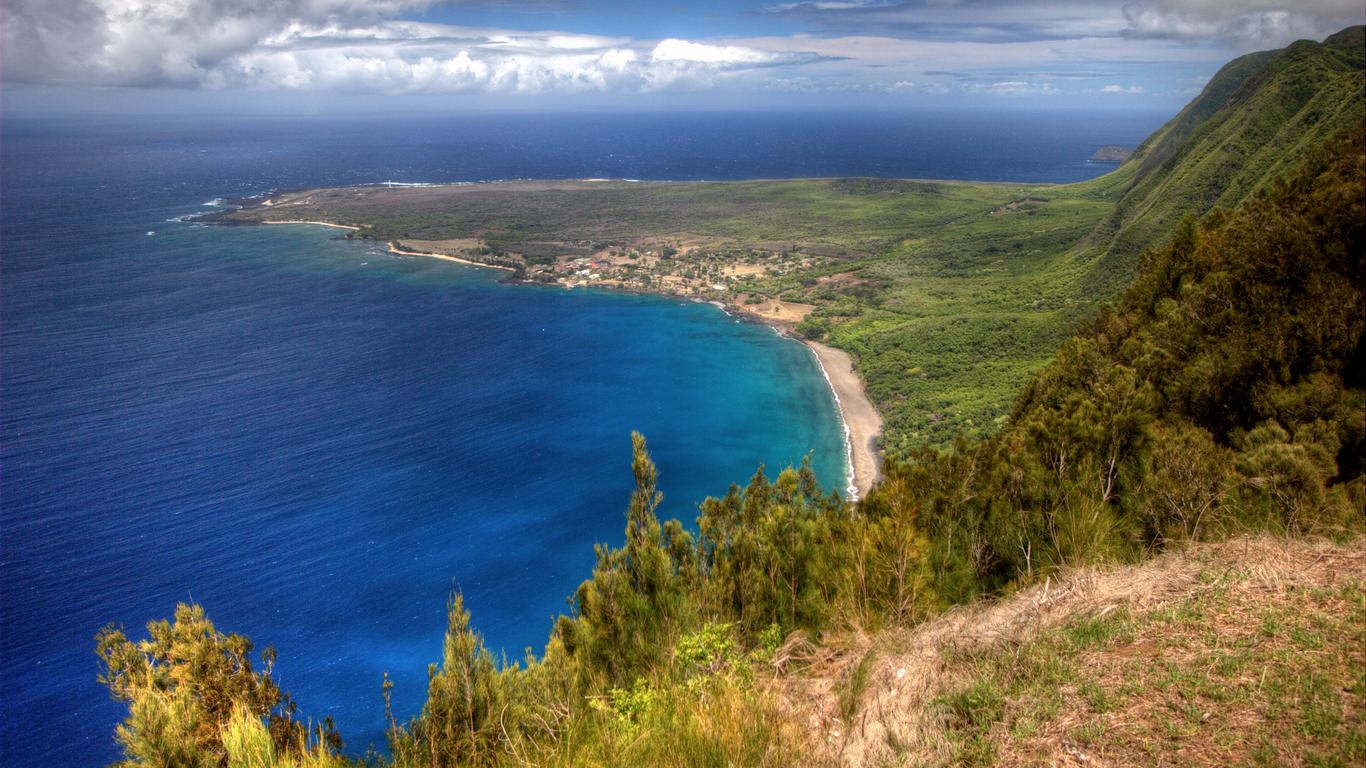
x,y
786,313
1251,651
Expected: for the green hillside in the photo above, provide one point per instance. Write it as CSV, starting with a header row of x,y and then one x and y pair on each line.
x,y
945,345
1251,124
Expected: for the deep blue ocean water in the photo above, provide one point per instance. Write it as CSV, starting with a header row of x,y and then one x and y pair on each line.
x,y
319,441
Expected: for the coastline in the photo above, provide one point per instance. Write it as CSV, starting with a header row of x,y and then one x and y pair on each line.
x,y
393,248
393,245
861,420
317,223
862,423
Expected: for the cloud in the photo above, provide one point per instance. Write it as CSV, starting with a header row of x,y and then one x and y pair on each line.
x,y
1244,24
154,42
965,48
344,45
1238,23
721,55
1115,88
1014,88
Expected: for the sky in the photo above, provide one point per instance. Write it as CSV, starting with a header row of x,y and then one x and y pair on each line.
x,y
326,55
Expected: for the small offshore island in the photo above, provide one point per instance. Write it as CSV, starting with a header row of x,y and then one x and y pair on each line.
x,y
1112,154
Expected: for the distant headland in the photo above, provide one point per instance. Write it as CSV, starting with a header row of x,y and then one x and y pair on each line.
x,y
1112,154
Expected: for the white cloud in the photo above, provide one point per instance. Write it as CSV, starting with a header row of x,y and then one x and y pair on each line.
x,y
156,42
348,45
1116,88
826,5
725,55
362,46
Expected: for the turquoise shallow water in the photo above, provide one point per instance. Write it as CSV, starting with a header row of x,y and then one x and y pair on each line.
x,y
319,441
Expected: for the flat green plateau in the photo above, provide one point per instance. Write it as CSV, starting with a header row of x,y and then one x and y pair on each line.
x,y
948,294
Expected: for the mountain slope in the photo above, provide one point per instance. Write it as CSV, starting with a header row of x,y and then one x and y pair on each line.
x,y
1252,123
947,338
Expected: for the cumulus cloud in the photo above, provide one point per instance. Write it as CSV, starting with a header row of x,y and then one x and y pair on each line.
x,y
155,42
725,55
1243,23
962,47
1116,88
349,45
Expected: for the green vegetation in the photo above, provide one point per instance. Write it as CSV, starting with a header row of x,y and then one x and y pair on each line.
x,y
948,294
194,699
1223,392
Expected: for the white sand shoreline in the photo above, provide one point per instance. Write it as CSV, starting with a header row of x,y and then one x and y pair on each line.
x,y
862,424
315,223
393,248
393,245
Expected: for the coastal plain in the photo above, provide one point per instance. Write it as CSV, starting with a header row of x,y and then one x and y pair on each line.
x,y
945,295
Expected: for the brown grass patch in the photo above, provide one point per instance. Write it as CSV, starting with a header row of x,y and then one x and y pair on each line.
x,y
1250,651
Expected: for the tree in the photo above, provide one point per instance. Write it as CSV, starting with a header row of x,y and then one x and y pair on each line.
x,y
627,610
460,723
185,683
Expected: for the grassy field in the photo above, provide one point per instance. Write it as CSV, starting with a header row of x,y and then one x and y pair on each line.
x,y
948,321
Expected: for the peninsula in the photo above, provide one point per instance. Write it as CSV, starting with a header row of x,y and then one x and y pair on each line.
x,y
911,280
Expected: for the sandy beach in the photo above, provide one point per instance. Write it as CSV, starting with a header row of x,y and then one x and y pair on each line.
x,y
317,223
860,417
394,248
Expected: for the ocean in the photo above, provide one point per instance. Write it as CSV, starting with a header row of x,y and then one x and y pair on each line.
x,y
319,441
